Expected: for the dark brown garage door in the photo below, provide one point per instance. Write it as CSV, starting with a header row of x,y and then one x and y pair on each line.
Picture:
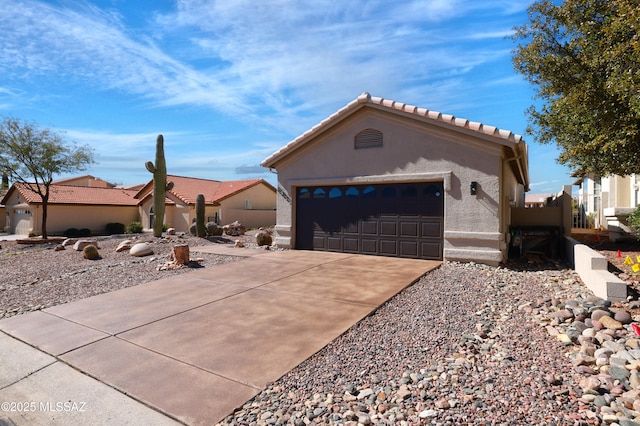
x,y
401,220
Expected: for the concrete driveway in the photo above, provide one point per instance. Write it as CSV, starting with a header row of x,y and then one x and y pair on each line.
x,y
190,348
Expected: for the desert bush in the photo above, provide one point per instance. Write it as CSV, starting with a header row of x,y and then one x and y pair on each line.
x,y
134,228
114,228
72,233
634,221
85,232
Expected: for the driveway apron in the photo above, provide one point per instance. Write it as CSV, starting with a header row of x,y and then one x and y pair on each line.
x,y
196,346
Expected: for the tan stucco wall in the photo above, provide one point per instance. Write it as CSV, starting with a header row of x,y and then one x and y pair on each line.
x,y
177,215
261,197
474,225
62,217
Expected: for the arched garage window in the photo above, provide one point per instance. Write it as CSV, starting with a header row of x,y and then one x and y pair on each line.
x,y
368,138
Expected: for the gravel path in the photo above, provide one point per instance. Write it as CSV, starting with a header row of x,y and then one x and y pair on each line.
x,y
464,345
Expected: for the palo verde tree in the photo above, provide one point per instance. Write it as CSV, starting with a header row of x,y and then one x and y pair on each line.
x,y
31,156
583,58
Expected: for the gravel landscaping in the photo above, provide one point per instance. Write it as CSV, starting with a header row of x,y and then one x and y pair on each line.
x,y
523,344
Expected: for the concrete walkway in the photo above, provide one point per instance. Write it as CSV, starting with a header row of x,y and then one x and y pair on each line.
x,y
190,348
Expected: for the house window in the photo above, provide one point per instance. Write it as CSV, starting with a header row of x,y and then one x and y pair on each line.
x,y
368,138
248,204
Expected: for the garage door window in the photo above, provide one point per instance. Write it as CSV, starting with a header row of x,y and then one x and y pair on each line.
x,y
335,193
352,192
319,193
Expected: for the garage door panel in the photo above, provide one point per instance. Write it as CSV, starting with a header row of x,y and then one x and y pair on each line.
x,y
352,228
431,229
370,228
409,248
351,245
409,229
334,243
389,247
430,249
369,246
319,243
404,220
388,228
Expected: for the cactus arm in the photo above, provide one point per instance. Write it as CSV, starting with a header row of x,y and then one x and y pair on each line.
x,y
169,186
149,165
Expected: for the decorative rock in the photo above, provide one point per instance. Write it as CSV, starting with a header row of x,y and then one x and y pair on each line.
x,y
59,247
90,252
81,244
598,314
69,242
234,229
623,316
610,323
171,231
124,245
141,249
239,244
562,315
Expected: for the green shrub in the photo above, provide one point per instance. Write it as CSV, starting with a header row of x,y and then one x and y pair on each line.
x,y
72,233
85,232
634,221
134,228
115,228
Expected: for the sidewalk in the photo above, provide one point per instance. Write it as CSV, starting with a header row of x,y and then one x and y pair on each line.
x,y
193,347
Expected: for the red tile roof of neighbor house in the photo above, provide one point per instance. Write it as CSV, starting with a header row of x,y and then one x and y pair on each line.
x,y
64,194
187,189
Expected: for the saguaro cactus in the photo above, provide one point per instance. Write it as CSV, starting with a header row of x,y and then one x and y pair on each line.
x,y
201,229
160,186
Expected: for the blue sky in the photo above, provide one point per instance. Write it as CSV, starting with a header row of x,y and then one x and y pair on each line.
x,y
229,82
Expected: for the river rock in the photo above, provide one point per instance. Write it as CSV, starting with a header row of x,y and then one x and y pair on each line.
x,y
611,323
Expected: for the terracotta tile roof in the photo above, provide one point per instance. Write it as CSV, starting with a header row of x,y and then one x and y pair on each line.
x,y
187,189
64,194
505,137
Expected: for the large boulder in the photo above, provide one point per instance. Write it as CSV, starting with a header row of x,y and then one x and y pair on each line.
x,y
124,245
81,244
234,229
141,249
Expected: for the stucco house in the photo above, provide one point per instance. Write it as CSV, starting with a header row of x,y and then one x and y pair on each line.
x,y
607,201
70,206
385,178
251,202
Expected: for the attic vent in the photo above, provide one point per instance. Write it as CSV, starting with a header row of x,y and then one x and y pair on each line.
x,y
368,138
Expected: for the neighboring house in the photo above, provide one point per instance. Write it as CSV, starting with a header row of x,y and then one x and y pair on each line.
x,y
608,201
69,207
536,200
382,177
86,180
251,202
